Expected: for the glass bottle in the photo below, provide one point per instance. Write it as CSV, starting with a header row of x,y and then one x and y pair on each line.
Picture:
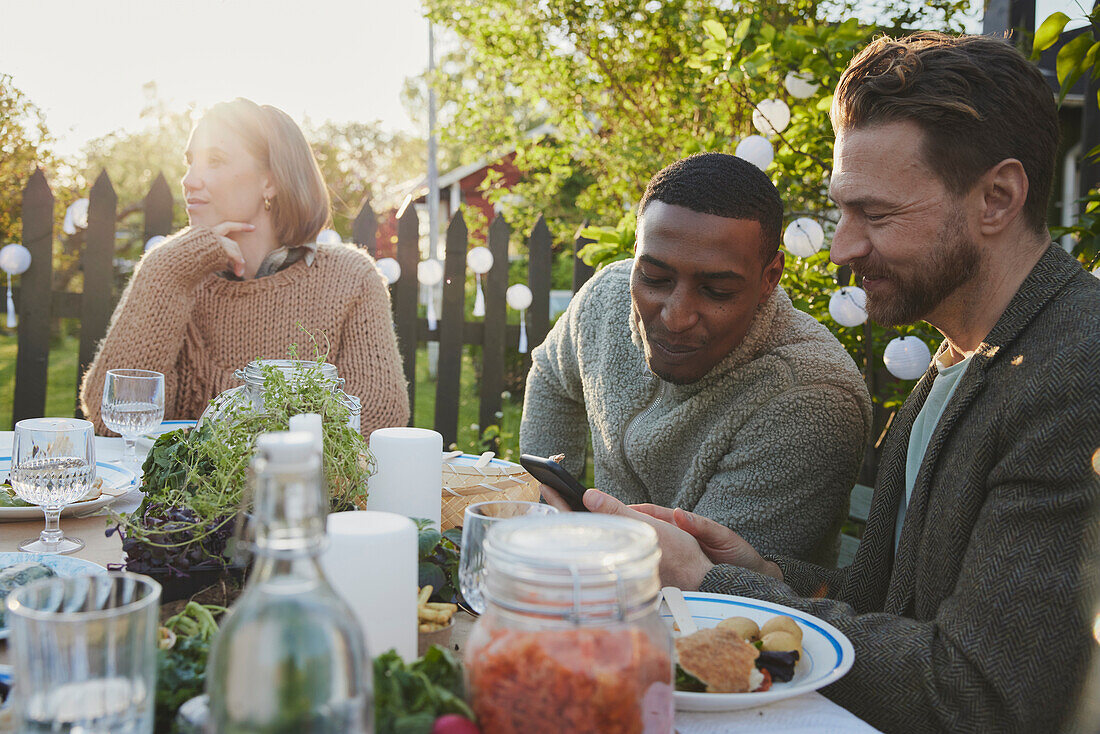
x,y
571,639
290,657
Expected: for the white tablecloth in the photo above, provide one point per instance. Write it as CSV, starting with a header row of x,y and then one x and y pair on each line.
x,y
808,713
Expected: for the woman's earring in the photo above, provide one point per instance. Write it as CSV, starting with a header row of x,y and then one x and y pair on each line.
x,y
267,204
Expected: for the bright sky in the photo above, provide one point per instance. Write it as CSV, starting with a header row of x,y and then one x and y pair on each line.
x,y
84,62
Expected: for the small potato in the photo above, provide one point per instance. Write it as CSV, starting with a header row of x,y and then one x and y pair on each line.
x,y
742,626
781,642
782,624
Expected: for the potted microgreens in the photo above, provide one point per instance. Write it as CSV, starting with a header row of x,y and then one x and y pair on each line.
x,y
195,482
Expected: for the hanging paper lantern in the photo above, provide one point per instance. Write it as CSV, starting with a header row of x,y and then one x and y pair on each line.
x,y
76,217
154,241
800,85
429,272
329,237
519,297
390,269
803,237
771,116
480,260
907,357
848,306
15,259
757,150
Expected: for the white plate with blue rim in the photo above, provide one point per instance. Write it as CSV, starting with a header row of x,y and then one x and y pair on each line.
x,y
63,566
111,482
826,653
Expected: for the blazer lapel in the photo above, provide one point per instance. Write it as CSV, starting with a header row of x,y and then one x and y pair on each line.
x,y
875,555
1050,275
902,583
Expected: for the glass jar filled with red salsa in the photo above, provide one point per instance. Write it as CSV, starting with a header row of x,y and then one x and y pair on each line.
x,y
570,640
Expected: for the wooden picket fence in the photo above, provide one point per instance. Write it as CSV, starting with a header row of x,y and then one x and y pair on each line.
x,y
38,303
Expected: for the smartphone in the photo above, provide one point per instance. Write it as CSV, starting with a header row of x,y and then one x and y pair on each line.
x,y
552,474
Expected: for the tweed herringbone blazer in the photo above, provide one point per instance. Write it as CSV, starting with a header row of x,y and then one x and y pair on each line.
x,y
981,622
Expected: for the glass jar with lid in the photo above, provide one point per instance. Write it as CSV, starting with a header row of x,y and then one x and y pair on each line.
x,y
250,395
571,640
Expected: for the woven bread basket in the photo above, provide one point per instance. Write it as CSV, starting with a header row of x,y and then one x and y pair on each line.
x,y
465,484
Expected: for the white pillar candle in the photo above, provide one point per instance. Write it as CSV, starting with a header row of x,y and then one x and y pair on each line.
x,y
311,424
408,478
371,562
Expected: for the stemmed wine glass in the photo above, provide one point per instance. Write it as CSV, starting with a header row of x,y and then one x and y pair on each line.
x,y
52,465
475,524
133,404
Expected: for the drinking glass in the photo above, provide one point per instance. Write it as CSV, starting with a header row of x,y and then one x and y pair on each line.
x,y
52,465
476,522
84,653
133,404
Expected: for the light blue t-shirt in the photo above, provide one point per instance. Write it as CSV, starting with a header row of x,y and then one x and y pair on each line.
x,y
942,389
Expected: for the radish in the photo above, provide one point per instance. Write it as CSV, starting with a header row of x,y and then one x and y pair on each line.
x,y
454,724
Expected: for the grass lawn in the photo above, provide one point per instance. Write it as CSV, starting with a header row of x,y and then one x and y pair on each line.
x,y
468,409
61,384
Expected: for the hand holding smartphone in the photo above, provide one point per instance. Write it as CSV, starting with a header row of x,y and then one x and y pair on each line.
x,y
553,475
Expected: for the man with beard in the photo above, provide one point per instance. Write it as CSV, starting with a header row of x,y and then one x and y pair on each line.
x,y
969,599
702,386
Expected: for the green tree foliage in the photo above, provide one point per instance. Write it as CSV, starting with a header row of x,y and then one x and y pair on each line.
x,y
361,161
628,86
24,145
1076,59
133,159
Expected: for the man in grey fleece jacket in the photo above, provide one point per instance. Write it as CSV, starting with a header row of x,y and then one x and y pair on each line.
x,y
702,386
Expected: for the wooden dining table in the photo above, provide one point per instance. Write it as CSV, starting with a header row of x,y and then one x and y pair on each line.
x,y
809,712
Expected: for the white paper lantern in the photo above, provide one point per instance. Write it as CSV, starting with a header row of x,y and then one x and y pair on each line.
x,y
76,217
329,237
390,269
771,116
480,260
154,241
15,259
803,237
848,306
1096,272
907,357
800,85
519,296
757,150
429,272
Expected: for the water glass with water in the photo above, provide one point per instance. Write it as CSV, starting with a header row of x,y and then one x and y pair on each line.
x,y
133,404
84,653
52,465
476,522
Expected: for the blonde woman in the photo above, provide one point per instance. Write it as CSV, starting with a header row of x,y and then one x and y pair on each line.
x,y
243,280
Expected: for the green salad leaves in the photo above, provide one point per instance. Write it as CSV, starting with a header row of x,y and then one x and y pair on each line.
x,y
408,698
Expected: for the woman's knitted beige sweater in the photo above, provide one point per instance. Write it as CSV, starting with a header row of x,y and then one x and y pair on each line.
x,y
179,318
